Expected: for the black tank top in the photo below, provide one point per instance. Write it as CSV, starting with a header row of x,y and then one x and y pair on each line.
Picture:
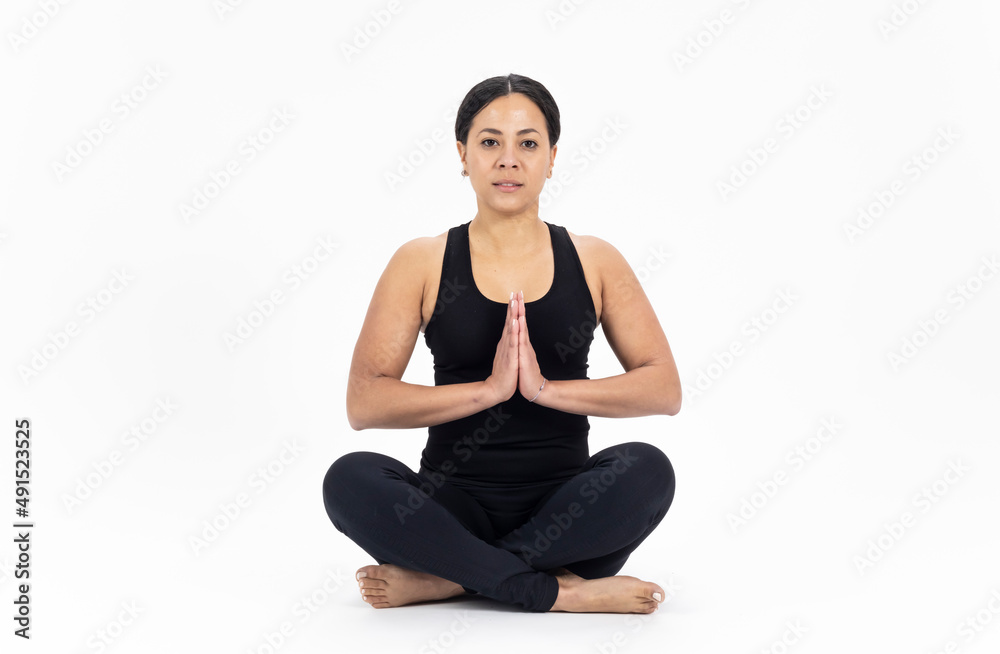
x,y
515,442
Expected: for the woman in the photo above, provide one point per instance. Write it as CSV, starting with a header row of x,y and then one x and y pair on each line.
x,y
507,502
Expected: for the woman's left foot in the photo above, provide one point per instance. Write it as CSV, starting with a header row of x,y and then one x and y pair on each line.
x,y
386,586
565,574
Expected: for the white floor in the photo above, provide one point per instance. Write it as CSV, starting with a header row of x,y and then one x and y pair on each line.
x,y
280,576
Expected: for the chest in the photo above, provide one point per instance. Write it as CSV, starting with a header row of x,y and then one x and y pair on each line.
x,y
495,278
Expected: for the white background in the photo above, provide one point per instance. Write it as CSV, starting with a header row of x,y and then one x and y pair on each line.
x,y
724,257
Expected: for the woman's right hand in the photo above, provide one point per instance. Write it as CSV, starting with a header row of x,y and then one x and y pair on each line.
x,y
502,383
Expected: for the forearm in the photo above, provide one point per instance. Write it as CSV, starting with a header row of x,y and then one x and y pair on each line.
x,y
389,403
643,391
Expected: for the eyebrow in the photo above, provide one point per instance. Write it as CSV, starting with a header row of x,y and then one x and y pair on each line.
x,y
498,132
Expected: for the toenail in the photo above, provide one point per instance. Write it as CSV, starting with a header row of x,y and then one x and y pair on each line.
x,y
657,597
362,574
361,583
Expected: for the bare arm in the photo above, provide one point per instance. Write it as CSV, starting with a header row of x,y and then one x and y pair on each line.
x,y
376,395
650,384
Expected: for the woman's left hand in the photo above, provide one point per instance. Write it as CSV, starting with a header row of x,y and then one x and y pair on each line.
x,y
529,375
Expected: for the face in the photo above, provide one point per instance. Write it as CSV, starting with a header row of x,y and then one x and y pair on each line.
x,y
508,140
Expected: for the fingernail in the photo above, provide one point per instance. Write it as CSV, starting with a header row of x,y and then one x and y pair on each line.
x,y
512,295
657,597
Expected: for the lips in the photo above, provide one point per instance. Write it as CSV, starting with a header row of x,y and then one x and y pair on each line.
x,y
508,183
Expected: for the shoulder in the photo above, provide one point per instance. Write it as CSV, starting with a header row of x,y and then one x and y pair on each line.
x,y
608,273
598,254
418,252
416,266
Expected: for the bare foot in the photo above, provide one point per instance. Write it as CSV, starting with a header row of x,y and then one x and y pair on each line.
x,y
565,574
385,586
620,594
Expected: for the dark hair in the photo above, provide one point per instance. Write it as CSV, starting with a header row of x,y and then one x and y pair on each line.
x,y
488,90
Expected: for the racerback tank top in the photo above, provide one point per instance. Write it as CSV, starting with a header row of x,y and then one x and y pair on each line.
x,y
516,442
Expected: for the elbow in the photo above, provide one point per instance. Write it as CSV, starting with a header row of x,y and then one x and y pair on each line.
x,y
666,391
355,423
673,401
355,418
360,402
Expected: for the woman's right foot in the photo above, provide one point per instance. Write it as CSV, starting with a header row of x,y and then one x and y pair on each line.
x,y
386,586
563,572
620,594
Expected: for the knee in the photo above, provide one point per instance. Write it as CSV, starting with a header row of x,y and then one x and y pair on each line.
x,y
652,464
347,472
643,455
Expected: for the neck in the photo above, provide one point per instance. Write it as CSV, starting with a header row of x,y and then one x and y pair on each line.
x,y
508,235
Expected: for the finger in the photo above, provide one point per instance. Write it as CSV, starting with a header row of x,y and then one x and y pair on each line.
x,y
508,319
521,321
512,316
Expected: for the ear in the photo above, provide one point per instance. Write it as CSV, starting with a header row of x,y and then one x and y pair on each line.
x,y
461,151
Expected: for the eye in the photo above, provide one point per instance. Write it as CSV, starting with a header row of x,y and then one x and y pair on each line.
x,y
486,142
532,146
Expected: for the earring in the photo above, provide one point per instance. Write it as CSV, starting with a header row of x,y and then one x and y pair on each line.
x,y
465,173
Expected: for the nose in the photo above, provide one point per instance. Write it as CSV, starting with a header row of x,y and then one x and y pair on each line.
x,y
508,157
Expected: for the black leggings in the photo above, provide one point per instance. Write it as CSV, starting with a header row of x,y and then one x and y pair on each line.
x,y
499,541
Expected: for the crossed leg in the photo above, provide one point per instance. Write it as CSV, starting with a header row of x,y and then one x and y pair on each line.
x,y
562,559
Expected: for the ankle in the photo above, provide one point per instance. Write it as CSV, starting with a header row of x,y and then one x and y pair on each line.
x,y
567,596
